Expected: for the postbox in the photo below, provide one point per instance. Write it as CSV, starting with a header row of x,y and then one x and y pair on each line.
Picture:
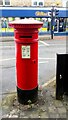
x,y
26,43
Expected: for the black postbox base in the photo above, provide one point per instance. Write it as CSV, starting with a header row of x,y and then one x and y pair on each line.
x,y
27,96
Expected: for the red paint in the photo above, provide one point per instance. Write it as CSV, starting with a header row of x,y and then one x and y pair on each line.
x,y
26,34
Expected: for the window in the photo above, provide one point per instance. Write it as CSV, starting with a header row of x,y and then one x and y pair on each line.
x,y
35,3
1,2
40,3
4,2
7,2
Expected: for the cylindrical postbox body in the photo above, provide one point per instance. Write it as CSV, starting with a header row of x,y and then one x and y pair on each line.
x,y
26,40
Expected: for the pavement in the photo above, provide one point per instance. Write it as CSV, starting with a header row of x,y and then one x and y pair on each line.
x,y
46,106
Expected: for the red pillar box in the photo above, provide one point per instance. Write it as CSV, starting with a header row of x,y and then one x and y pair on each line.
x,y
26,39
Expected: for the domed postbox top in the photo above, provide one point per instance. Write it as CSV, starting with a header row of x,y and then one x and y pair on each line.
x,y
26,23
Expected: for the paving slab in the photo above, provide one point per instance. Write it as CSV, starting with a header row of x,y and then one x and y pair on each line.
x,y
46,106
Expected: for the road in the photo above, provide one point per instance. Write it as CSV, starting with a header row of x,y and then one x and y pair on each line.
x,y
48,50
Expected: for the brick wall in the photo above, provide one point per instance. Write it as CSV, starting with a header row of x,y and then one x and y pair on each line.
x,y
21,2
50,2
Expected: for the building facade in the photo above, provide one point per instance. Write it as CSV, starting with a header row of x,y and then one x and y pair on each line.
x,y
31,3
